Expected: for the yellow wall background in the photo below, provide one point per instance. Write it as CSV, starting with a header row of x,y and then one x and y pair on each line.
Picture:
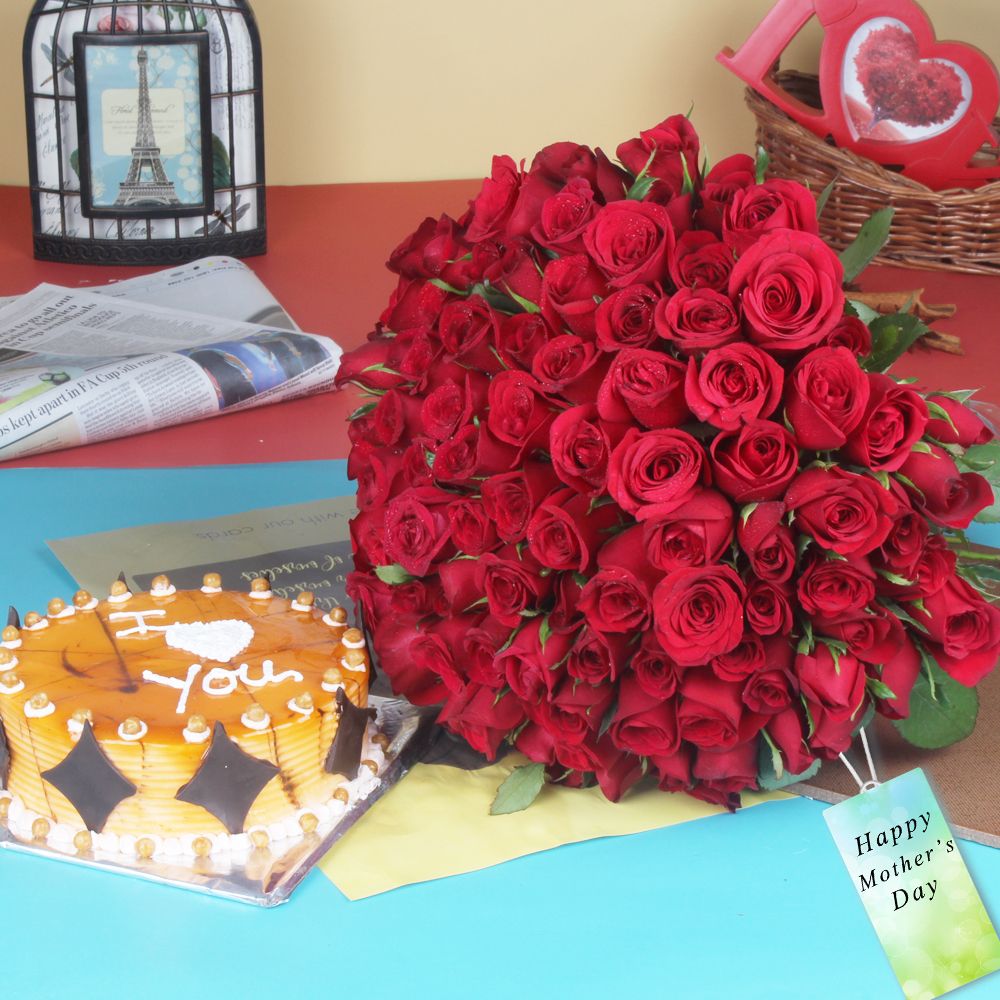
x,y
380,90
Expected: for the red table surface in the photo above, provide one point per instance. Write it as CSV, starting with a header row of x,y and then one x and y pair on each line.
x,y
328,246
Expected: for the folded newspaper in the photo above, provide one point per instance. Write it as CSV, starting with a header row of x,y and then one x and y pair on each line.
x,y
79,366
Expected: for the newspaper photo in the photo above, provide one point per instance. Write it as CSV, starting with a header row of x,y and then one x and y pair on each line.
x,y
80,366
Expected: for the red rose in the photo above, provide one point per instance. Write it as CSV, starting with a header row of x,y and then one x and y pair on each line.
x,y
768,610
512,583
392,640
733,385
827,398
631,242
573,711
597,656
376,471
899,674
414,307
625,319
697,319
531,666
893,423
480,718
934,567
946,496
563,161
655,672
395,413
417,529
904,545
521,336
965,427
480,646
565,535
791,288
519,414
673,773
660,467
850,514
667,151
835,693
966,630
435,250
696,533
724,180
701,260
873,637
616,600
698,613
741,661
645,386
457,460
711,714
468,329
756,462
767,542
580,445
571,367
510,499
833,590
435,649
516,272
763,208
767,692
492,207
615,770
851,333
565,216
726,773
450,406
787,731
571,289
472,529
643,724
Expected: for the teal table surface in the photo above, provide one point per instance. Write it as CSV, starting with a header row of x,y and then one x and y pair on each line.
x,y
754,905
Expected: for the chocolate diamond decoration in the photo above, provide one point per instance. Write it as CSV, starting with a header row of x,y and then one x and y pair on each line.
x,y
90,781
13,618
345,751
4,757
228,782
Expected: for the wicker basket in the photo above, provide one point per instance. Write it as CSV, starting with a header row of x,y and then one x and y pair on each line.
x,y
956,230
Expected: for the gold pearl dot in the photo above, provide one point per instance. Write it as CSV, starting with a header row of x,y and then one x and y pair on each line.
x,y
118,589
39,701
342,795
256,713
371,765
145,848
306,597
131,726
338,615
160,582
10,634
83,842
305,702
32,618
333,676
260,838
308,822
355,658
40,829
197,724
201,846
4,808
212,580
260,585
353,635
381,740
10,680
82,598
6,656
57,606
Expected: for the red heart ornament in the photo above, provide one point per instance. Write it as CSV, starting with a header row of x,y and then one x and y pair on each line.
x,y
890,91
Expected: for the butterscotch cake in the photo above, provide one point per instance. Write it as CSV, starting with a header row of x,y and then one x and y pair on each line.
x,y
182,723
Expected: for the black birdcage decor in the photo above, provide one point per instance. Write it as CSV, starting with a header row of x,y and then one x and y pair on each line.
x,y
145,130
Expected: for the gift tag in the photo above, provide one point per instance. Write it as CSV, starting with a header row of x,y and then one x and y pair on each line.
x,y
906,866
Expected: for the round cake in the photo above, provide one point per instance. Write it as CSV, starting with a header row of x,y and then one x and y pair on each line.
x,y
175,723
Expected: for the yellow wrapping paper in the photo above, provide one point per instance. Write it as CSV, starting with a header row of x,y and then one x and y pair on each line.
x,y
436,822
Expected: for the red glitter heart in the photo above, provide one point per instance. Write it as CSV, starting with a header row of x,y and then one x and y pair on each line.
x,y
901,87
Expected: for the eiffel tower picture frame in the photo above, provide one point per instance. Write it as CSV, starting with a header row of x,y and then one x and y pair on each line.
x,y
145,148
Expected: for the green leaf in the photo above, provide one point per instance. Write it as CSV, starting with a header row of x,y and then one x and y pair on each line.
x,y
519,790
899,581
936,410
362,411
526,304
864,312
923,448
445,287
763,162
688,186
746,512
936,722
807,643
544,632
393,575
981,457
892,337
222,173
873,235
74,161
771,774
824,196
910,485
878,689
381,368
643,182
991,515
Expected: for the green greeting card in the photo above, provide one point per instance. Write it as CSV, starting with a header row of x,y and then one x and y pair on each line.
x,y
920,898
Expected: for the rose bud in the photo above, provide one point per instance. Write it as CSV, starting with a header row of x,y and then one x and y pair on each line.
x,y
392,641
438,651
472,529
790,286
826,398
617,598
697,319
515,272
946,496
754,463
733,385
768,543
673,773
661,468
646,387
626,318
698,613
894,421
631,242
763,208
468,329
519,414
965,427
767,692
701,260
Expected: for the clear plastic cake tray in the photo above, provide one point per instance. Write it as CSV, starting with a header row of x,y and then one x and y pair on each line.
x,y
264,876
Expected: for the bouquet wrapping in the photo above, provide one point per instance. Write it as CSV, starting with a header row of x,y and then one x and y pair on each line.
x,y
637,493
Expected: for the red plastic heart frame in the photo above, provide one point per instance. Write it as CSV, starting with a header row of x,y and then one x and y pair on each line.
x,y
890,90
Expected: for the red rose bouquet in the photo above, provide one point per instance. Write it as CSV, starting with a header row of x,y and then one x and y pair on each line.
x,y
637,494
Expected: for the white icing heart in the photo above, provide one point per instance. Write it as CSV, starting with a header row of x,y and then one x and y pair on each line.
x,y
217,641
